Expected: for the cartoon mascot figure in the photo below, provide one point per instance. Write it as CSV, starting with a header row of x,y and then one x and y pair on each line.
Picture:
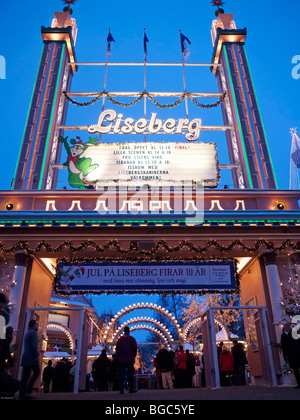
x,y
67,275
78,167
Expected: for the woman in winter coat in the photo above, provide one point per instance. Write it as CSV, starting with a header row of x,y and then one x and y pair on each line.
x,y
226,363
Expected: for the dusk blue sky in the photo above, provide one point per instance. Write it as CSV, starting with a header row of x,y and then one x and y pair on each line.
x,y
272,42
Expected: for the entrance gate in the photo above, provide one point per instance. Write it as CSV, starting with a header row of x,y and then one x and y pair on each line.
x,y
211,363
81,354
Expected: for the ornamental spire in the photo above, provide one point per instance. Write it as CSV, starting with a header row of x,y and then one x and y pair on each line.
x,y
68,3
218,4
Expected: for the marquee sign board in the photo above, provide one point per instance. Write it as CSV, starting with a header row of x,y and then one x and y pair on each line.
x,y
141,276
152,163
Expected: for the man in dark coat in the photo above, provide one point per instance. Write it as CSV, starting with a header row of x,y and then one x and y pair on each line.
x,y
30,360
165,365
101,372
126,351
190,368
240,362
291,351
48,374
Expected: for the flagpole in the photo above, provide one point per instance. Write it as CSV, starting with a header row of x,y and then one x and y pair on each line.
x,y
104,84
184,81
145,99
105,78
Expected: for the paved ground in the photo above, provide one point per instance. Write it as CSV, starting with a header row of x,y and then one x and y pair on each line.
x,y
192,394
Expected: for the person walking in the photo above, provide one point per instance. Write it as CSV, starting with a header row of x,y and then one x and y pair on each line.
x,y
291,351
30,360
48,373
240,361
114,373
226,363
102,371
180,365
190,368
8,384
95,374
165,365
126,351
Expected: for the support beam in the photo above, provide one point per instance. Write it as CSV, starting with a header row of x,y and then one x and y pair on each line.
x,y
147,64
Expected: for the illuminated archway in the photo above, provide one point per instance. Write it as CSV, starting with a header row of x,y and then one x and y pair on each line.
x,y
196,320
64,329
135,306
163,338
163,329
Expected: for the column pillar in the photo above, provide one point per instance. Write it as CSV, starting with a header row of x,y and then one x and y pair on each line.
x,y
17,288
274,287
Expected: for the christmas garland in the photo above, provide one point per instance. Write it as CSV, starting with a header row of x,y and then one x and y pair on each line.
x,y
147,95
134,247
149,255
222,98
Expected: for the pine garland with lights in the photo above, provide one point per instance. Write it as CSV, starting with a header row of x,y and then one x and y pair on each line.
x,y
259,246
141,96
135,253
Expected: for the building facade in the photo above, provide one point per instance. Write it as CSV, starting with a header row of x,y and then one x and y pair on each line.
x,y
255,225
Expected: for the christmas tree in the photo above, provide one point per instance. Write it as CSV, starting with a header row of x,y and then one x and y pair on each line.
x,y
291,292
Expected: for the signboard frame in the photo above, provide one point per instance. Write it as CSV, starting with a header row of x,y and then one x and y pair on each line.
x,y
138,163
122,276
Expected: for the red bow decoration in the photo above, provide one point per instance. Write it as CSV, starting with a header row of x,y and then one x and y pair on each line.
x,y
72,159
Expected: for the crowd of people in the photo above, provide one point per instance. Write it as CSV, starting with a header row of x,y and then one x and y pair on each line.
x,y
118,373
175,369
61,376
178,369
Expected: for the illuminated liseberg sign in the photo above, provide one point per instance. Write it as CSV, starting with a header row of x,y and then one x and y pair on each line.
x,y
110,122
140,163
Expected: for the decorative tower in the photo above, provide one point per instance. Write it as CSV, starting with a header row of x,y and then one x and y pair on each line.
x,y
40,148
247,143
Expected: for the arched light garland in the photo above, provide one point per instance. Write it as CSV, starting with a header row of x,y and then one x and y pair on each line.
x,y
66,330
196,320
143,95
143,305
145,320
152,329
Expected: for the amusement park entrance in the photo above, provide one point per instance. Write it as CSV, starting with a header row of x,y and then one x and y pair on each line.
x,y
209,341
199,212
